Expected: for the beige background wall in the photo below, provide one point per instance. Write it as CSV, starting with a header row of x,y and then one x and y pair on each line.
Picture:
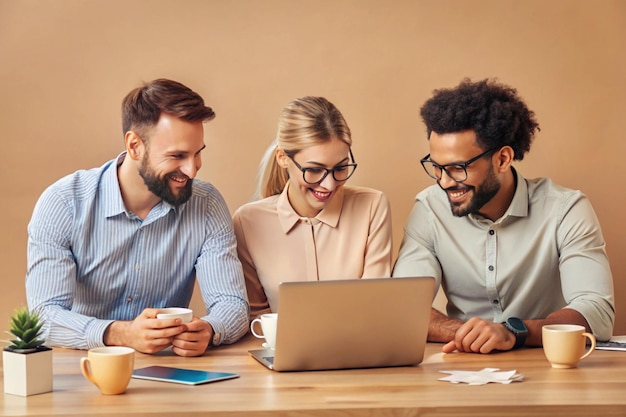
x,y
66,64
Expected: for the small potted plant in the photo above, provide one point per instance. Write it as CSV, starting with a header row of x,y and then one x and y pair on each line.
x,y
26,362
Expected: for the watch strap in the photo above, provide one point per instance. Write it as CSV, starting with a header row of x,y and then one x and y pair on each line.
x,y
520,336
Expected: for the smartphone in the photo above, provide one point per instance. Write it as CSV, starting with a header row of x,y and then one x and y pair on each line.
x,y
180,375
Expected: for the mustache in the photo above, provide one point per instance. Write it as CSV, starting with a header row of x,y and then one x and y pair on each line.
x,y
177,174
456,187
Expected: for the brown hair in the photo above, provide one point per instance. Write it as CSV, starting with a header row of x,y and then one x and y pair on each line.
x,y
303,123
142,107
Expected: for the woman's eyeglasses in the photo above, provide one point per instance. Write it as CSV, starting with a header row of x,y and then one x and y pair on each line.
x,y
316,175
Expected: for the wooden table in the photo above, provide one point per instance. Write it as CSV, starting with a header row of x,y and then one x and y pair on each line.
x,y
596,388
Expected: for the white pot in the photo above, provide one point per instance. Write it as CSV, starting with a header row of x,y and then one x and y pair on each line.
x,y
27,373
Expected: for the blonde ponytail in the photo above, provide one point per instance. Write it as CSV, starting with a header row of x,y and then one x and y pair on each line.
x,y
272,177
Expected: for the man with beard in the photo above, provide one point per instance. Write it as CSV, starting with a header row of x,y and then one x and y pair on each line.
x,y
511,254
108,247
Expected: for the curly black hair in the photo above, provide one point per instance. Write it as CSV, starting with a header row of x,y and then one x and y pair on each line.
x,y
494,111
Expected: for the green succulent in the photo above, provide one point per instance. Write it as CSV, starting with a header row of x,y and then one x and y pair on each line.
x,y
26,327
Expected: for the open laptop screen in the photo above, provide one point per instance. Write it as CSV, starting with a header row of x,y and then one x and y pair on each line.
x,y
355,323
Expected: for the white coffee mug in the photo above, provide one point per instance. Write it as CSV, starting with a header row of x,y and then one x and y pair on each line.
x,y
185,314
268,327
564,344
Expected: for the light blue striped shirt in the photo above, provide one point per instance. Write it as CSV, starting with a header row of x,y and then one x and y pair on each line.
x,y
90,261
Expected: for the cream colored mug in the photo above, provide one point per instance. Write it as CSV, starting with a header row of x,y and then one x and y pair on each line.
x,y
564,344
109,368
268,327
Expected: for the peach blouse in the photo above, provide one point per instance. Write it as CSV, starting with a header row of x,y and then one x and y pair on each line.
x,y
350,238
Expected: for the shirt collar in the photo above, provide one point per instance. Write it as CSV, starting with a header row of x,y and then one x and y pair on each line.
x,y
519,203
111,188
113,193
288,217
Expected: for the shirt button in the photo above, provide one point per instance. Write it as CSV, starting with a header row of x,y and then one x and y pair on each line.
x,y
496,302
129,299
491,232
137,267
491,267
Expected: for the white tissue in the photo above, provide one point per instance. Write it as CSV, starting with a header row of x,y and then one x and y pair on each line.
x,y
482,377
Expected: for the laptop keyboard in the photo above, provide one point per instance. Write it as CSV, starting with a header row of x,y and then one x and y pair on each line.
x,y
269,359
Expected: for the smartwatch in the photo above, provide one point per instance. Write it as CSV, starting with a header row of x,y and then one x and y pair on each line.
x,y
518,328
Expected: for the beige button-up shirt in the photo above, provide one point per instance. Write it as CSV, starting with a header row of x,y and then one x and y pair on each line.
x,y
350,238
545,253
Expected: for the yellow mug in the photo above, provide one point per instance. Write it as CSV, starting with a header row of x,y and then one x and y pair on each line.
x,y
565,344
109,368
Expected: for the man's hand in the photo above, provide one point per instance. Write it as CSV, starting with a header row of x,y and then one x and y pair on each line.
x,y
194,340
146,333
480,336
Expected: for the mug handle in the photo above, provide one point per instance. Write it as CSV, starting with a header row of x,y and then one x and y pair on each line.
x,y
260,336
592,339
86,370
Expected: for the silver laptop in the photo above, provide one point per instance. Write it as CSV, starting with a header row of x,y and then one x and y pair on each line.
x,y
348,324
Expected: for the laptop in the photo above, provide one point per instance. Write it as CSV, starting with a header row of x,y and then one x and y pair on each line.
x,y
350,324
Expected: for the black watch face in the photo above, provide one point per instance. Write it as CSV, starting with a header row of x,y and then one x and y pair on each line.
x,y
517,324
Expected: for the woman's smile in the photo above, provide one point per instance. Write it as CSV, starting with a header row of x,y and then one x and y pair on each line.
x,y
321,195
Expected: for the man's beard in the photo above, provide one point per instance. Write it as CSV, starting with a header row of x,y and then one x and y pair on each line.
x,y
160,186
482,195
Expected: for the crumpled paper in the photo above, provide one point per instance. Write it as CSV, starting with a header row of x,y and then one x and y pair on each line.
x,y
482,377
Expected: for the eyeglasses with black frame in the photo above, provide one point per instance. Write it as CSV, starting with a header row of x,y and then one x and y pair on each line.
x,y
316,175
458,172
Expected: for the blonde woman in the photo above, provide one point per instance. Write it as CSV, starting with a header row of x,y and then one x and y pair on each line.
x,y
309,225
